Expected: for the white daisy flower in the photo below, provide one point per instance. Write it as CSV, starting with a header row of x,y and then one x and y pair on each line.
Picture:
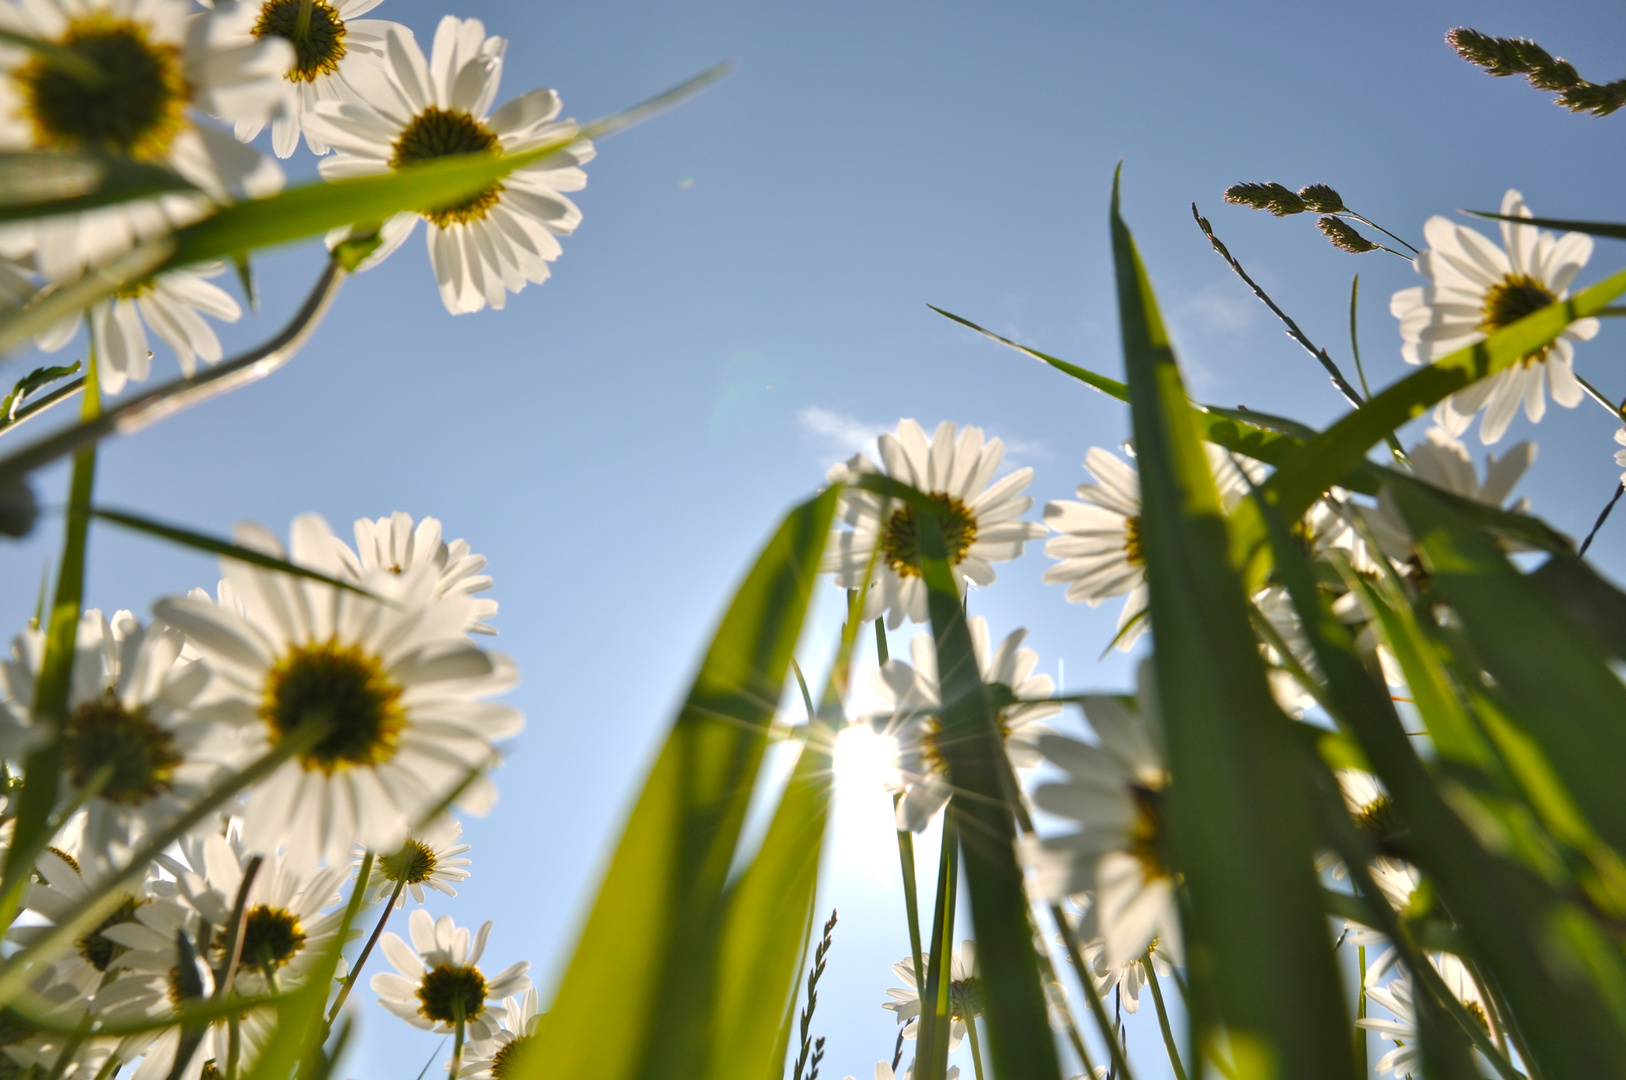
x,y
1475,288
1131,976
884,1071
163,62
1620,455
130,715
173,305
329,40
981,524
1276,605
495,1058
439,982
1443,461
429,858
1116,791
1100,542
394,544
491,243
396,679
1397,997
912,722
965,993
63,882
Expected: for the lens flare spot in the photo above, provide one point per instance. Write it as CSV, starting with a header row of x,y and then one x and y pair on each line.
x,y
865,760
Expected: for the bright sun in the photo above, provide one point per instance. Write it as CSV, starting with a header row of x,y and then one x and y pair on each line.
x,y
864,760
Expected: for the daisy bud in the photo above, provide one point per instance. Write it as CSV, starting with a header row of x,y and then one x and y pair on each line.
x,y
1276,198
1322,199
1344,237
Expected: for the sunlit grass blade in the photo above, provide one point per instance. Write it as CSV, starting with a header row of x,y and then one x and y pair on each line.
x,y
1552,671
1239,808
1266,438
51,306
982,813
313,209
1341,448
1511,918
1587,598
201,542
770,907
37,185
1613,230
647,954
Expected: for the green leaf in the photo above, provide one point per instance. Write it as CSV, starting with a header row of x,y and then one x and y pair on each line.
x,y
982,816
648,952
1552,672
1333,454
200,542
1587,598
1610,229
44,184
40,376
1240,811
314,209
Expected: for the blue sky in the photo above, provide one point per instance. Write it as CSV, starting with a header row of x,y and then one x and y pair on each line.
x,y
745,300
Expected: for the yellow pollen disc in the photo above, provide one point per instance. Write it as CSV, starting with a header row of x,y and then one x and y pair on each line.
x,y
900,542
438,133
314,29
135,109
1134,551
1146,834
345,690
1510,300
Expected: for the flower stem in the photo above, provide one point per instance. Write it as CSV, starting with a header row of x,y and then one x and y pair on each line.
x,y
457,1045
931,1046
976,1048
366,951
1362,1068
1163,1018
1120,1060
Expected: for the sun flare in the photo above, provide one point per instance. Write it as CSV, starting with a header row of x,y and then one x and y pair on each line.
x,y
864,760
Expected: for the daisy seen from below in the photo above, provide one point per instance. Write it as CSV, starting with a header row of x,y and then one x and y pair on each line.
x,y
981,519
1441,459
965,993
63,880
395,683
172,305
416,110
329,39
393,543
437,983
1132,975
151,66
1474,289
1099,549
132,726
428,859
915,697
495,1057
1115,791
1398,998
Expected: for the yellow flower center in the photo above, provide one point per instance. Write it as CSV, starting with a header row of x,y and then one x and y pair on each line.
x,y
900,540
1134,551
503,1061
414,864
437,133
346,691
1146,834
1510,300
135,109
271,938
452,992
97,949
314,29
140,756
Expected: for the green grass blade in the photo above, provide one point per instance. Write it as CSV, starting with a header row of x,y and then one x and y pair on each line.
x,y
313,209
1553,672
1511,918
37,185
1019,1034
201,542
1239,806
1611,229
1587,598
648,950
770,907
1342,448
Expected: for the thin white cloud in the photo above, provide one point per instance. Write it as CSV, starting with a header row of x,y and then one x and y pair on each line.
x,y
836,434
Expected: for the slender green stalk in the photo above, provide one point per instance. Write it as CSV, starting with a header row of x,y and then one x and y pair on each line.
x,y
1361,1067
109,1068
457,1044
976,1047
911,896
1163,1019
366,950
44,767
1618,412
1048,969
1120,1060
234,1046
70,62
1381,229
931,1044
